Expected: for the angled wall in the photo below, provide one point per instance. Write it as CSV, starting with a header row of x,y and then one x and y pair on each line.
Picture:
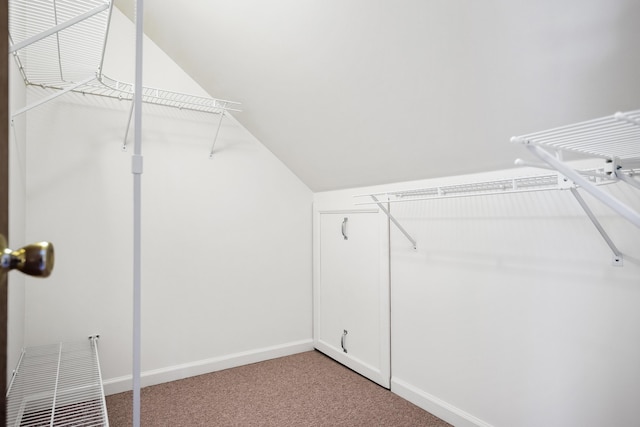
x,y
226,241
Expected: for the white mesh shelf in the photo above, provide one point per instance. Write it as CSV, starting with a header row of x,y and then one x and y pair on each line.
x,y
58,385
614,137
60,44
56,43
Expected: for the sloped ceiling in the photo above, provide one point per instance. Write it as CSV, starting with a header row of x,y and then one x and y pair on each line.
x,y
350,93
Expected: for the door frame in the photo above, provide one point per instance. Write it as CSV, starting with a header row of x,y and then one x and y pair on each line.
x,y
381,375
4,200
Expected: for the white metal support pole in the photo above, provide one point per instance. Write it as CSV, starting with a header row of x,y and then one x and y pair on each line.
x,y
137,205
617,254
395,221
606,198
215,138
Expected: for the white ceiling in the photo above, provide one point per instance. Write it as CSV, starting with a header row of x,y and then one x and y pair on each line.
x,y
350,93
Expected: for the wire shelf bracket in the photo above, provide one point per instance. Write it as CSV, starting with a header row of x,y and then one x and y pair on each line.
x,y
394,221
615,139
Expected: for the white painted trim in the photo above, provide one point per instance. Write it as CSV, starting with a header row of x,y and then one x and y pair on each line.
x,y
374,373
380,374
199,367
348,211
435,406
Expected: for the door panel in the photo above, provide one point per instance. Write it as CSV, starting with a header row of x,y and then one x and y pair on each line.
x,y
351,291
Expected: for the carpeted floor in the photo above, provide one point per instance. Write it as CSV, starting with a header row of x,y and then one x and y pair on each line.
x,y
306,389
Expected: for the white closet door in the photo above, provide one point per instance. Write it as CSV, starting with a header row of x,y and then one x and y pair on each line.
x,y
352,291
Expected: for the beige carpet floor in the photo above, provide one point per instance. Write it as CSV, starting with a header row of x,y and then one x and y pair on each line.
x,y
306,389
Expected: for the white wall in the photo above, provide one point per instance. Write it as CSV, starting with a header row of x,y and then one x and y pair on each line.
x,y
510,313
226,242
17,209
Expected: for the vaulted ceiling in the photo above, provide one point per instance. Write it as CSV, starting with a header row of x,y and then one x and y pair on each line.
x,y
360,92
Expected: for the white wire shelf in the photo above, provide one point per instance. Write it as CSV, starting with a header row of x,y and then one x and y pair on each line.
x,y
615,138
58,385
553,181
105,86
60,44
56,43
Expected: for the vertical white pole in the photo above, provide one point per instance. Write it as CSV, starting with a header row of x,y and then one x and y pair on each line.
x,y
137,205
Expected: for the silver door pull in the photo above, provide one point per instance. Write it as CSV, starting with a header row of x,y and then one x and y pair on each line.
x,y
344,228
344,334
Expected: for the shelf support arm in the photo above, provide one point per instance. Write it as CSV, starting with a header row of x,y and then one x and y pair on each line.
x,y
215,138
628,179
596,223
52,97
606,198
395,221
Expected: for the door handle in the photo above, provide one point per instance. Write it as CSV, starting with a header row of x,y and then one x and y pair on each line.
x,y
36,259
344,228
342,343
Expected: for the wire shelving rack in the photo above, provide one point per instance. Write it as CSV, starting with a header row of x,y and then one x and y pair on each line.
x,y
56,385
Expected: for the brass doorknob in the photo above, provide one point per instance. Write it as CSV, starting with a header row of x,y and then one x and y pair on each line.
x,y
36,259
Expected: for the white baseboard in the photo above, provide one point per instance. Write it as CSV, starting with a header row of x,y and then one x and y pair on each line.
x,y
364,369
435,406
199,367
